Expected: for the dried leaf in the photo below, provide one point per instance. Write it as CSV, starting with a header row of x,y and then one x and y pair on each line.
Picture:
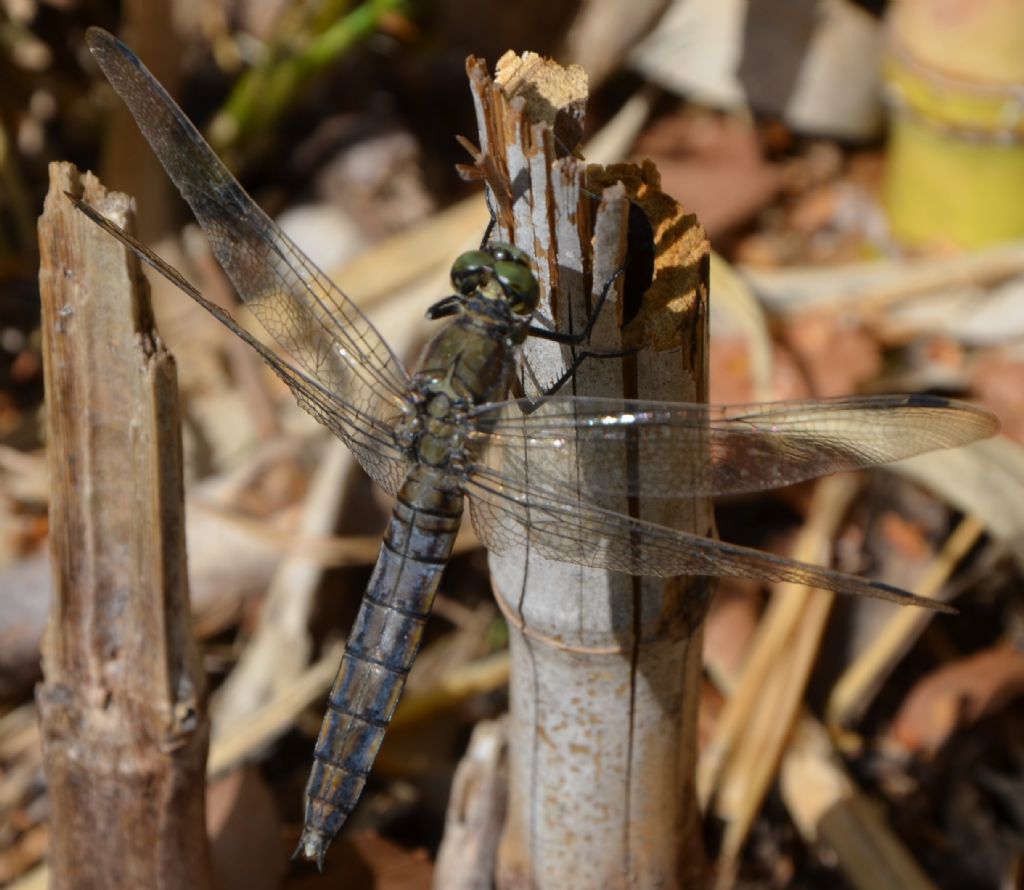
x,y
957,695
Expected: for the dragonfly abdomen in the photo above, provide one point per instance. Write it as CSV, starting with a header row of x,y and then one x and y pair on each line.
x,y
381,648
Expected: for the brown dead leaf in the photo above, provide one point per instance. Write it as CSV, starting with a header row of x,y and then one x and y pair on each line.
x,y
904,538
731,374
732,623
838,358
245,833
709,710
996,381
956,695
713,165
815,210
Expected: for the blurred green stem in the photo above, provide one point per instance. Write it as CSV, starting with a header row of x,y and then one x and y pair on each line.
x,y
14,197
263,93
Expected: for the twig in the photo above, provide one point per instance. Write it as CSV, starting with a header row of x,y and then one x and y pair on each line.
x,y
829,809
475,813
876,287
122,710
767,725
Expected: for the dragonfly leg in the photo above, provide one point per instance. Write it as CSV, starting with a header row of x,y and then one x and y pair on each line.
x,y
567,339
578,360
491,223
529,405
574,340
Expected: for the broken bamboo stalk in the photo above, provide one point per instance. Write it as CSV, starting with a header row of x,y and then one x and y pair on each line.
x,y
605,667
122,701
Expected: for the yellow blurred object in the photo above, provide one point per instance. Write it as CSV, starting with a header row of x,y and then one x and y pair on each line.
x,y
977,40
955,80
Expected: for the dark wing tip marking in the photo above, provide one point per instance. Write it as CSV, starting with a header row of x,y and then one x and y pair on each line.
x,y
899,595
926,400
988,423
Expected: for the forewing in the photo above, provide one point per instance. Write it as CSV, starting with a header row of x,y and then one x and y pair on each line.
x,y
325,336
716,450
555,525
374,445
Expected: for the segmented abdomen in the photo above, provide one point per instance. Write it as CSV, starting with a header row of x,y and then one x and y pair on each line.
x,y
380,650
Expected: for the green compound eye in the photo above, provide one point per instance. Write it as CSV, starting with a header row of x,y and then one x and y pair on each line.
x,y
470,270
519,285
500,250
500,262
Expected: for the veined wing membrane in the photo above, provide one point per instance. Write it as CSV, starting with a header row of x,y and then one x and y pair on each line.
x,y
717,450
375,447
322,332
555,525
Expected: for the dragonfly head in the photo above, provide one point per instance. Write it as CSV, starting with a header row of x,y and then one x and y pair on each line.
x,y
498,271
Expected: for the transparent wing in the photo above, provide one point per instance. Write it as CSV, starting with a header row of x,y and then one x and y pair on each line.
x,y
375,448
716,450
558,526
325,336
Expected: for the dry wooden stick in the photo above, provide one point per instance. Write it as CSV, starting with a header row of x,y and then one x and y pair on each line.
x,y
874,287
764,721
863,678
829,809
122,711
776,691
474,820
605,668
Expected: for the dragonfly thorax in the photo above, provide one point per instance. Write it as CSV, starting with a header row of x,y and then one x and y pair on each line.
x,y
434,431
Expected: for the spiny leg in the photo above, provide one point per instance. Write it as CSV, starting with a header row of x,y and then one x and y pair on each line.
x,y
491,223
565,338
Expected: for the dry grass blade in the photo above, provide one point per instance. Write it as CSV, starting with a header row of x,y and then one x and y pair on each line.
x,y
257,728
829,809
862,679
984,479
875,286
281,645
753,731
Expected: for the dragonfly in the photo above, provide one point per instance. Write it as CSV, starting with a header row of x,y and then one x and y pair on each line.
x,y
453,432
